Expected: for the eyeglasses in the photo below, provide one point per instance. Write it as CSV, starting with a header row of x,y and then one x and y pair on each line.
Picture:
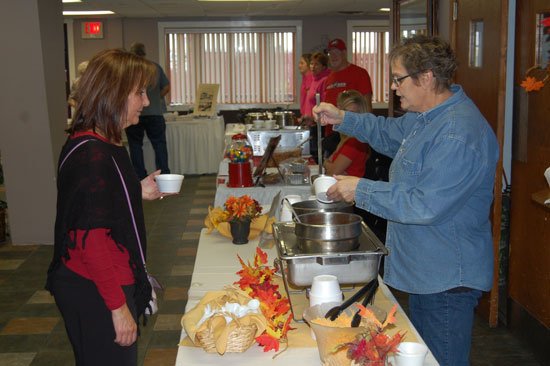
x,y
397,81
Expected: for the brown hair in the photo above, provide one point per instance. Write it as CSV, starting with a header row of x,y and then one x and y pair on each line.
x,y
103,92
348,97
321,57
422,53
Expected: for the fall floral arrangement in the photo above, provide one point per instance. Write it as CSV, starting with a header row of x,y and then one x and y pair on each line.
x,y
372,344
242,209
257,281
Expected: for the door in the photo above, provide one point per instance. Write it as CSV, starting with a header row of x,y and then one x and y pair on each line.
x,y
479,39
530,219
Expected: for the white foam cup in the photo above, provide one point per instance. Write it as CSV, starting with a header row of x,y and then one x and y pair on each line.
x,y
258,123
325,286
322,184
286,213
410,354
169,183
316,300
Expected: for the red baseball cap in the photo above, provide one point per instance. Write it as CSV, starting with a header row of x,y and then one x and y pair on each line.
x,y
338,44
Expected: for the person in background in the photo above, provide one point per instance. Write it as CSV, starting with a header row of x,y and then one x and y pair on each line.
x,y
319,72
150,121
438,198
303,66
96,275
351,156
79,71
344,76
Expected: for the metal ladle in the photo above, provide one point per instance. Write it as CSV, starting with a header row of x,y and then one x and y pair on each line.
x,y
292,209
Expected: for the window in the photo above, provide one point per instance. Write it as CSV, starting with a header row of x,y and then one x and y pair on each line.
x,y
370,50
476,43
252,65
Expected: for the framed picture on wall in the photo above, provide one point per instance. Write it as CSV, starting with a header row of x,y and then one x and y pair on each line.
x,y
207,97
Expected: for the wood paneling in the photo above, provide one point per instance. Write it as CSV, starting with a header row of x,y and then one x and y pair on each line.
x,y
529,272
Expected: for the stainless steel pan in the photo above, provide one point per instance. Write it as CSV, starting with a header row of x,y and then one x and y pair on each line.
x,y
328,232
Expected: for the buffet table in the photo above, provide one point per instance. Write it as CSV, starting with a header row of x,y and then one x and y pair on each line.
x,y
216,265
195,145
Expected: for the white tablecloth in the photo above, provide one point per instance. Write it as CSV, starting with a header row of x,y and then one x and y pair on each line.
x,y
195,145
215,266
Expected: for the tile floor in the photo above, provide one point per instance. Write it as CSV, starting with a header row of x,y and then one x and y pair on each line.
x,y
32,331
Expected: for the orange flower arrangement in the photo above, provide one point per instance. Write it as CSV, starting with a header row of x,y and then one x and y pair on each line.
x,y
243,208
256,280
372,344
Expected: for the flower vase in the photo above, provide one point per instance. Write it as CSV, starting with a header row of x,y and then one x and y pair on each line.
x,y
240,231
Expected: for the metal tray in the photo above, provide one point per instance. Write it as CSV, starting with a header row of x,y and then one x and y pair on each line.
x,y
356,266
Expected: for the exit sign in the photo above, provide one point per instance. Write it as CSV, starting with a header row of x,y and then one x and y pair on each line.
x,y
92,30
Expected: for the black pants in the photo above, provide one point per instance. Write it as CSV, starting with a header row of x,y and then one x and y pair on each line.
x,y
89,323
155,127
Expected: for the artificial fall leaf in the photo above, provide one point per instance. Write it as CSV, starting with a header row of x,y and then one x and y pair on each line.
x,y
390,319
369,315
260,257
530,84
268,342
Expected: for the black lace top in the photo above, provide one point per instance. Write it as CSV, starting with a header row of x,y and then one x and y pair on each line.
x,y
90,195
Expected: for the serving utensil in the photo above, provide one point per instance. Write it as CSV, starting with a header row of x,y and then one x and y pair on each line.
x,y
333,313
319,137
368,297
292,210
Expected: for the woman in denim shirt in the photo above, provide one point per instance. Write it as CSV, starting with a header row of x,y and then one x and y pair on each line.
x,y
438,197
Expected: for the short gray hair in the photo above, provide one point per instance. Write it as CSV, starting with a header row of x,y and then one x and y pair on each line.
x,y
422,53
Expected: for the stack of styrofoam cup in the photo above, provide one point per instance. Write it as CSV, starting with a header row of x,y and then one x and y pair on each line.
x,y
324,288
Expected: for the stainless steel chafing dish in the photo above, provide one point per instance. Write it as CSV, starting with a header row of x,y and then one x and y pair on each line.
x,y
351,267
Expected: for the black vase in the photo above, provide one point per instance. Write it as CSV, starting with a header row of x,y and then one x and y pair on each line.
x,y
240,231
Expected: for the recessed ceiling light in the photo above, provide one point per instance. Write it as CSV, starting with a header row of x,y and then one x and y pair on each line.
x,y
72,1
384,9
86,12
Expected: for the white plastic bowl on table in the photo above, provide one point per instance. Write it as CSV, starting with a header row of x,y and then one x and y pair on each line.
x,y
169,183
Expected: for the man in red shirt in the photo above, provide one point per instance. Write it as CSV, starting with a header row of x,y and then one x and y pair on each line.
x,y
345,76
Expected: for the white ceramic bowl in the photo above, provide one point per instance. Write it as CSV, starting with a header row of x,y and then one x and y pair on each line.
x,y
169,183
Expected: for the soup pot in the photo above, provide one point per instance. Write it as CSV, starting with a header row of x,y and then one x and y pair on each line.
x,y
328,232
312,206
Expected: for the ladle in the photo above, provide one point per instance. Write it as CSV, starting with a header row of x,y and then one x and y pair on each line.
x,y
292,209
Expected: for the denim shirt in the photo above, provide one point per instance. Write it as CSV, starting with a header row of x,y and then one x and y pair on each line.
x,y
438,197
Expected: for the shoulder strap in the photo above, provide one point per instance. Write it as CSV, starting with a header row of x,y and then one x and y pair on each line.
x,y
70,152
131,210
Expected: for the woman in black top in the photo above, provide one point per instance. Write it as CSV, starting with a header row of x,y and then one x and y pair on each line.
x,y
97,274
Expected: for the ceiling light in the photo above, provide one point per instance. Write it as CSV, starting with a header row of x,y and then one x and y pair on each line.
x,y
72,1
384,9
86,12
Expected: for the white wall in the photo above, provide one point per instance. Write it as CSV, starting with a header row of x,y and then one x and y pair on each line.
x,y
33,109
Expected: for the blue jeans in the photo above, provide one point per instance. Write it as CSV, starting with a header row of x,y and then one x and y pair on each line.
x,y
445,320
156,132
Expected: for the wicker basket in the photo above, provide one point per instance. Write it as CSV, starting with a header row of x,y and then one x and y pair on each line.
x,y
238,340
